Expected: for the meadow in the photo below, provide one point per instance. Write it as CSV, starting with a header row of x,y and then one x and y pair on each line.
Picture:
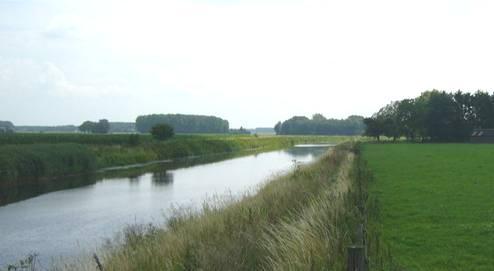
x,y
433,205
300,221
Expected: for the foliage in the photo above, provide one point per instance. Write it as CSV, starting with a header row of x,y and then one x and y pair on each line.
x,y
319,125
100,127
183,123
434,115
162,131
435,204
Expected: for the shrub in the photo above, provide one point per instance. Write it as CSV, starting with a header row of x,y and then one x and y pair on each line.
x,y
162,131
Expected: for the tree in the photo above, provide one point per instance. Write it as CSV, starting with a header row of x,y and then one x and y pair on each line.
x,y
6,127
374,127
101,127
277,128
319,125
87,127
162,131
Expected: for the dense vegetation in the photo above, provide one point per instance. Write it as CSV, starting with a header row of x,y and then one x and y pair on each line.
x,y
92,139
434,115
24,166
183,123
319,125
435,204
287,225
162,131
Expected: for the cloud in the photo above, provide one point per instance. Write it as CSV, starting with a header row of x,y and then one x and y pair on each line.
x,y
28,77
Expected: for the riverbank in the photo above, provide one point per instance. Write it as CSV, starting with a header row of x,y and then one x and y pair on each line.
x,y
25,165
299,221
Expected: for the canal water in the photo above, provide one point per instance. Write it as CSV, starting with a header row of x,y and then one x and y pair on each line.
x,y
70,222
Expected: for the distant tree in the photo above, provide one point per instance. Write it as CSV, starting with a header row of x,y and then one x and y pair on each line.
x,y
87,127
277,128
6,127
483,107
162,131
183,123
101,127
374,127
318,117
319,125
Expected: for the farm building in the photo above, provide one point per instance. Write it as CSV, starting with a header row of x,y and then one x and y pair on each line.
x,y
482,136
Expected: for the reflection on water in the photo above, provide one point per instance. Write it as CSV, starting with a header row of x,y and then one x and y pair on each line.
x,y
304,151
162,178
88,210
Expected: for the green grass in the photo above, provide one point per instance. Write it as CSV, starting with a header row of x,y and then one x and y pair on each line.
x,y
299,221
436,204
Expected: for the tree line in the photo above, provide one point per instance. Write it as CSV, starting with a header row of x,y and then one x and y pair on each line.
x,y
435,116
183,123
320,125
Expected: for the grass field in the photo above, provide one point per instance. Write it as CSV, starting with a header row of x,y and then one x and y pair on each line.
x,y
436,204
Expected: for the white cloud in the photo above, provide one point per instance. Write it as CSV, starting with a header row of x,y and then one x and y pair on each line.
x,y
23,76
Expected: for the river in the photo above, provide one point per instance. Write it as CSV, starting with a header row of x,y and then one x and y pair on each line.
x,y
69,222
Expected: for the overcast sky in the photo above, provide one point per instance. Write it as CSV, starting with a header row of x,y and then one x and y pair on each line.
x,y
251,62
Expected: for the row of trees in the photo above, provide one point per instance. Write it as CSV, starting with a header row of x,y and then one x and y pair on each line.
x,y
434,115
100,127
183,123
319,125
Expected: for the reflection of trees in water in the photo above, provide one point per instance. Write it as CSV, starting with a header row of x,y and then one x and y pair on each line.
x,y
162,178
34,187
306,151
134,179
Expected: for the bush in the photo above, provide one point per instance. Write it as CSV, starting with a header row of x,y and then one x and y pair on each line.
x,y
162,131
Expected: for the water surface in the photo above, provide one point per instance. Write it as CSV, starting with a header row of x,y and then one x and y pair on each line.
x,y
69,222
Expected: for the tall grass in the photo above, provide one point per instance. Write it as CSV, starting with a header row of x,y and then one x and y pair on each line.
x,y
55,138
300,221
24,167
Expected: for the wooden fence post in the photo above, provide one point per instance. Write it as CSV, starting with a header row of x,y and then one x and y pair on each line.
x,y
356,258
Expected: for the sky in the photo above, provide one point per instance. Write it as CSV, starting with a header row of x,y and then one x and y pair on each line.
x,y
251,62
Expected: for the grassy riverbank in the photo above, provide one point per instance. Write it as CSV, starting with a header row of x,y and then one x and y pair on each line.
x,y
26,164
300,221
435,205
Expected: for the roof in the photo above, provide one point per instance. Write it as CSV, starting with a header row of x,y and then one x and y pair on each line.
x,y
483,133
